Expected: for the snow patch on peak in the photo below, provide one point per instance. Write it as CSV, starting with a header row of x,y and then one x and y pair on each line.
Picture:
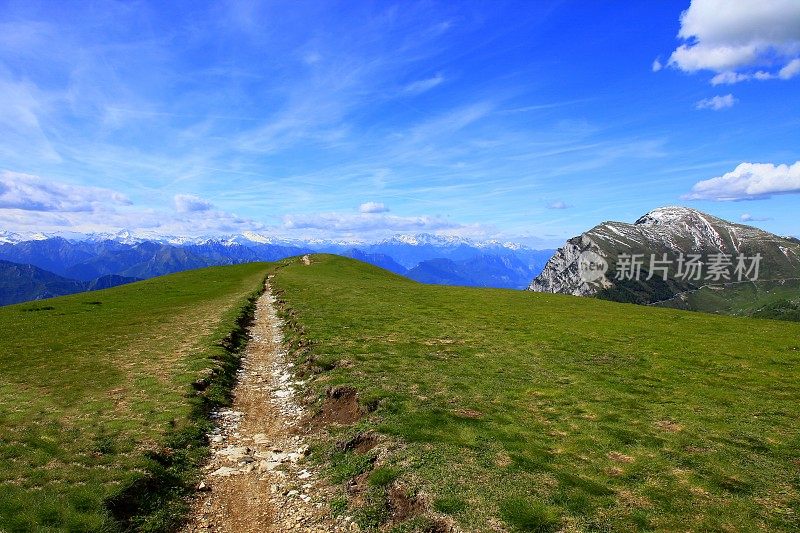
x,y
508,245
667,215
426,238
7,237
256,237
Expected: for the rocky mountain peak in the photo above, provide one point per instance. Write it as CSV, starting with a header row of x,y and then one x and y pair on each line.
x,y
671,231
670,215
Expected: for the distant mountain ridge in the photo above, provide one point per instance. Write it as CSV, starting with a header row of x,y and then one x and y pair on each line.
x,y
503,271
84,258
675,231
21,283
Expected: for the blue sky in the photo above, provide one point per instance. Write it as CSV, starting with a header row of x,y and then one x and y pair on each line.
x,y
527,121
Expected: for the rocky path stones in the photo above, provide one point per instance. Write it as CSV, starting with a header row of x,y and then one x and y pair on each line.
x,y
258,478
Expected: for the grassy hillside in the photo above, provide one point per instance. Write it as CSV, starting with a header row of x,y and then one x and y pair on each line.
x,y
540,412
98,418
760,298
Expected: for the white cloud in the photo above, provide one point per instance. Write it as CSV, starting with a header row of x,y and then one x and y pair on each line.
x,y
373,207
716,102
139,221
421,86
747,217
365,223
749,181
31,203
558,205
189,203
791,70
32,193
729,78
736,38
657,65
717,58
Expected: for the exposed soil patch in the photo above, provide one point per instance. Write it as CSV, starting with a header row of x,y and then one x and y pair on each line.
x,y
339,407
361,443
620,457
401,505
357,488
695,449
669,426
502,460
468,413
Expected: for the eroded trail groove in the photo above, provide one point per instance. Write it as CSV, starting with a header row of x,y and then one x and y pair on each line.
x,y
257,479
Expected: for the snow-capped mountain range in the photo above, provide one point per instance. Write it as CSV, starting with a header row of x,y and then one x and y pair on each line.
x,y
424,257
248,238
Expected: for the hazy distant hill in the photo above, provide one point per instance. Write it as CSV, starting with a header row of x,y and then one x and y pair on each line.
x,y
380,260
20,283
503,271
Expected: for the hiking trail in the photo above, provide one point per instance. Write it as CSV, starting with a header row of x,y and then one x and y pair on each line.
x,y
257,479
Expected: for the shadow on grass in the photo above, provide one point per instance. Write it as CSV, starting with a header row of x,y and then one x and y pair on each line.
x,y
155,500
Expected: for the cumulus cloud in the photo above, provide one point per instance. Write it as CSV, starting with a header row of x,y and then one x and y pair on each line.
x,y
741,40
189,203
558,205
373,207
749,181
33,193
716,102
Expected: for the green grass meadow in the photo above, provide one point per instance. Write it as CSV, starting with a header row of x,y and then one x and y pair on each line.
x,y
536,412
99,422
506,410
778,300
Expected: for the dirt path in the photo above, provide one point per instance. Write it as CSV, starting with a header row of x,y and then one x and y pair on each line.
x,y
257,479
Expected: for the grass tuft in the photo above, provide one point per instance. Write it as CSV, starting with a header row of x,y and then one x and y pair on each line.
x,y
526,515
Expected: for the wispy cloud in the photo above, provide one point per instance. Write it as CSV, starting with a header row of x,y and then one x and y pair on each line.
x,y
373,207
346,222
747,217
657,65
33,204
265,109
716,103
32,193
424,85
189,203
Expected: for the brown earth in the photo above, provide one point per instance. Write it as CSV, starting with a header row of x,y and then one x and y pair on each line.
x,y
257,479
